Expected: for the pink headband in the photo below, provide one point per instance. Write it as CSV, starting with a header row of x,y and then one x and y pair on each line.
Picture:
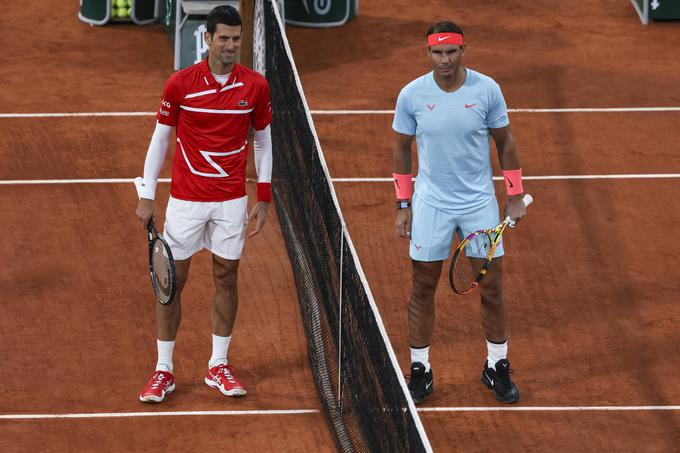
x,y
445,38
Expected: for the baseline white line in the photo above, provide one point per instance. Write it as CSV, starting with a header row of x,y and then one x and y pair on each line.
x,y
357,112
157,414
15,182
548,408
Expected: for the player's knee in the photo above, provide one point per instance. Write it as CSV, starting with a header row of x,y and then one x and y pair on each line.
x,y
425,279
225,275
225,282
423,287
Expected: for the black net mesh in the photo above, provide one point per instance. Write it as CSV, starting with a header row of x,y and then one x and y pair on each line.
x,y
369,410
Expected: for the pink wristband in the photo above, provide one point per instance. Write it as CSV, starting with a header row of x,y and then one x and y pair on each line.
x,y
402,185
513,181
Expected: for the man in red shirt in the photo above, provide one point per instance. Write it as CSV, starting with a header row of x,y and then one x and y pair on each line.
x,y
211,104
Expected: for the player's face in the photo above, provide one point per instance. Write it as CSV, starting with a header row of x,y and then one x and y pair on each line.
x,y
224,44
446,58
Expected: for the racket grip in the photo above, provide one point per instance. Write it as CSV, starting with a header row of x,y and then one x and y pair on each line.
x,y
527,199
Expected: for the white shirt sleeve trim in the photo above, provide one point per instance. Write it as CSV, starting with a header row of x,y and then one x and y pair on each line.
x,y
262,146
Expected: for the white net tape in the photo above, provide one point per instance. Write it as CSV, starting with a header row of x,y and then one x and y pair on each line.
x,y
258,38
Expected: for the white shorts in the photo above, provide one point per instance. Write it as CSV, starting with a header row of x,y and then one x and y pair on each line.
x,y
219,226
432,230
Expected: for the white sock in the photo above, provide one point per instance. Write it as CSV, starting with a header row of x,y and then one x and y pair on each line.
x,y
421,355
496,352
165,349
220,345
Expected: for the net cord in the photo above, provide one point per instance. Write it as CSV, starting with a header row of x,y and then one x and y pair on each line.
x,y
350,244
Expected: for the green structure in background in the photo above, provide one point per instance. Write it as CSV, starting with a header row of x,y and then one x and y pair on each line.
x,y
101,12
320,13
664,10
657,9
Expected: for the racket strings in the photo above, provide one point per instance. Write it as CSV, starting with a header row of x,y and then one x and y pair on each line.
x,y
470,262
162,271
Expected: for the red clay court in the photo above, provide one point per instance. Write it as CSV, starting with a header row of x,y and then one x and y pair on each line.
x,y
592,273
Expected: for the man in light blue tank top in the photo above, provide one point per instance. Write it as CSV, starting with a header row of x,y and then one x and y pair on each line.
x,y
453,112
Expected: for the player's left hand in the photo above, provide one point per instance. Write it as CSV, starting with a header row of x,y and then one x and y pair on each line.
x,y
515,208
258,215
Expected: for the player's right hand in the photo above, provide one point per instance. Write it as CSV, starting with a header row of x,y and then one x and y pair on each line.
x,y
403,223
145,210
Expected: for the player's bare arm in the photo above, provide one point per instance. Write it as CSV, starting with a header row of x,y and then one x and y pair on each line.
x,y
402,165
508,157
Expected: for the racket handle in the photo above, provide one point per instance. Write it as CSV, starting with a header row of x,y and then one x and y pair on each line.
x,y
527,199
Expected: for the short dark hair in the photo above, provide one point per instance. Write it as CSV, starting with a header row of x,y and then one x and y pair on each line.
x,y
444,27
224,14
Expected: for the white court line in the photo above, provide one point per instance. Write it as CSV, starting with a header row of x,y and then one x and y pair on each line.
x,y
548,408
156,414
316,411
16,182
357,112
12,182
520,110
69,114
540,178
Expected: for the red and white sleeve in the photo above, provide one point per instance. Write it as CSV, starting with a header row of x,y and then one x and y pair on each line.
x,y
262,145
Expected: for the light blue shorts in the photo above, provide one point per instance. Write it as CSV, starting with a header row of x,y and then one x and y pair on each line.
x,y
432,230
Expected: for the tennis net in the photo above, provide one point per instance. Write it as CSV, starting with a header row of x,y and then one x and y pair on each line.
x,y
355,370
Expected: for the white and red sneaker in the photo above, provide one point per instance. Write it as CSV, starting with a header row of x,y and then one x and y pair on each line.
x,y
223,378
160,384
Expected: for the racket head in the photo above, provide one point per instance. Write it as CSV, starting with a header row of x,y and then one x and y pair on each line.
x,y
161,267
470,262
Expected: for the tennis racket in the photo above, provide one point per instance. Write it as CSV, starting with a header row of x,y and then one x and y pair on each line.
x,y
161,266
473,255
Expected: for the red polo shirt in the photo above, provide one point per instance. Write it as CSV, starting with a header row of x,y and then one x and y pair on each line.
x,y
212,123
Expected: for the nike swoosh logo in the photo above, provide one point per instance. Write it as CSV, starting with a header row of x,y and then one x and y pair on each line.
x,y
397,183
510,183
442,38
490,380
467,106
428,385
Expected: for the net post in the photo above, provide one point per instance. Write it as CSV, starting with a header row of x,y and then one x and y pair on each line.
x,y
642,8
247,10
342,254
